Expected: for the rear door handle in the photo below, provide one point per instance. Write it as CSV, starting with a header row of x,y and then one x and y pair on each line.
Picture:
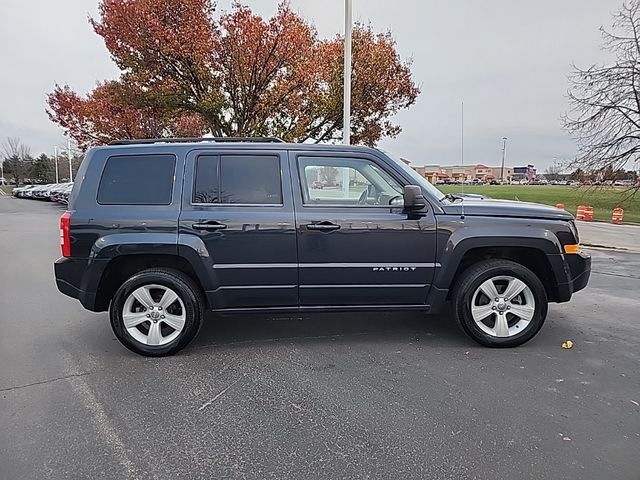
x,y
213,225
324,226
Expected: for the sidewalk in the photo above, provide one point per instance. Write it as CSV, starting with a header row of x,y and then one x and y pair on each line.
x,y
601,234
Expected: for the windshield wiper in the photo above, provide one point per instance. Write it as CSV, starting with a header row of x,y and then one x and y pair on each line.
x,y
452,197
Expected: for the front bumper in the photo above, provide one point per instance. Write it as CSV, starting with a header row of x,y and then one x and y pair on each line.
x,y
580,268
577,270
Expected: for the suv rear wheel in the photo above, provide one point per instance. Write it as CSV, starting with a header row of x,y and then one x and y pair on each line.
x,y
500,303
156,312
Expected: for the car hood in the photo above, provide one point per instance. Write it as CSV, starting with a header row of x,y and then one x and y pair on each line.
x,y
504,208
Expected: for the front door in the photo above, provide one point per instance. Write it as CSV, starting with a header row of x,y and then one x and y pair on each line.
x,y
356,246
238,204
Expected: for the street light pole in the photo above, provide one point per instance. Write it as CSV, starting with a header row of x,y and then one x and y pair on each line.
x,y
55,159
69,157
348,28
504,150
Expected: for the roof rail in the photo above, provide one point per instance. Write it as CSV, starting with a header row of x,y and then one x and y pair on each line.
x,y
138,141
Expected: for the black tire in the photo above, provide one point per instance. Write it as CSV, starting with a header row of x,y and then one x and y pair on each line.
x,y
470,281
187,291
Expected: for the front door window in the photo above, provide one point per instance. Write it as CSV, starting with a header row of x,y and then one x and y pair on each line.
x,y
350,182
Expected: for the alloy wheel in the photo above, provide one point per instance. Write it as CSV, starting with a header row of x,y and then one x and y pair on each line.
x,y
503,306
154,315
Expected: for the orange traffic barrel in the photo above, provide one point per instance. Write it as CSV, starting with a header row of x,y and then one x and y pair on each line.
x,y
580,212
588,213
560,206
616,217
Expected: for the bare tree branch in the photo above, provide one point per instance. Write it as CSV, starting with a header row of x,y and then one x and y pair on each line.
x,y
604,115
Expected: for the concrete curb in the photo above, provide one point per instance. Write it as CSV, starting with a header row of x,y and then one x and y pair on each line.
x,y
592,246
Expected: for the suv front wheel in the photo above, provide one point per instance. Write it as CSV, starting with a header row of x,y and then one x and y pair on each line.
x,y
156,312
500,303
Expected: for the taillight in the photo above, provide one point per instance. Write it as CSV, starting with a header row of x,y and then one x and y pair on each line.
x,y
65,239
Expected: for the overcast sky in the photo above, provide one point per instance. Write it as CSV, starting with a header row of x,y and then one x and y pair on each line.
x,y
506,59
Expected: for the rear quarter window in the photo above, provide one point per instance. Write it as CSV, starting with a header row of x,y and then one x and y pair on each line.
x,y
137,180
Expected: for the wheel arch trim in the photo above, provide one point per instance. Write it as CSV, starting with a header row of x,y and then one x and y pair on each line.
x,y
467,239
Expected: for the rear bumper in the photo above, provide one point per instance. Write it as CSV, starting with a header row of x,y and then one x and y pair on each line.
x,y
69,274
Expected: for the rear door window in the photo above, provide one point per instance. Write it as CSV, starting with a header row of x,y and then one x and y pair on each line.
x,y
137,180
238,179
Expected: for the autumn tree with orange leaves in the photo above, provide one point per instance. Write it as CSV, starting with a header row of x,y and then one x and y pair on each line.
x,y
186,72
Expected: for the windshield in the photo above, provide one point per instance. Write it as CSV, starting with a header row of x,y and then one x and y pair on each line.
x,y
415,176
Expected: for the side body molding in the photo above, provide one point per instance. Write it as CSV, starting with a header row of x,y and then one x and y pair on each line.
x,y
118,244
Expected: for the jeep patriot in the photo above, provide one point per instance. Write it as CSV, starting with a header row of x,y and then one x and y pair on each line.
x,y
159,231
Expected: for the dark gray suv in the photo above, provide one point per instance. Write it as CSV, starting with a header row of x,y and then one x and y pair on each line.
x,y
158,231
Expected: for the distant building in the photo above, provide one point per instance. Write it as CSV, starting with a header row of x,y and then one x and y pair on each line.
x,y
485,173
433,173
458,173
479,172
527,173
508,173
482,171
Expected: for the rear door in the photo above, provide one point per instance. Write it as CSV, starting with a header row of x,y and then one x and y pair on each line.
x,y
356,245
239,205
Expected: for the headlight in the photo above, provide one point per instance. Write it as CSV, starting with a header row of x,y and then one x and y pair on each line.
x,y
574,230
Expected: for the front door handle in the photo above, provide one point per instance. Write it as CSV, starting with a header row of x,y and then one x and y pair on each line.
x,y
213,225
324,226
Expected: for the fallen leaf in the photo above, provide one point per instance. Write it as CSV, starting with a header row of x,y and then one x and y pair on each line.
x,y
568,344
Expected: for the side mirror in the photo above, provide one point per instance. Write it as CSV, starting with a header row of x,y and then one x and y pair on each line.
x,y
414,199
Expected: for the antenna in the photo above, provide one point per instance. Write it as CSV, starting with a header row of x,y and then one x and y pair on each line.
x,y
462,158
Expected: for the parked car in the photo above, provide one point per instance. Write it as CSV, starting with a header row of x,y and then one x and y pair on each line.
x,y
317,185
17,191
22,192
158,232
34,191
64,195
55,194
43,191
51,191
623,183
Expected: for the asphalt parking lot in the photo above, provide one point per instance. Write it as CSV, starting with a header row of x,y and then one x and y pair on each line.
x,y
329,396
